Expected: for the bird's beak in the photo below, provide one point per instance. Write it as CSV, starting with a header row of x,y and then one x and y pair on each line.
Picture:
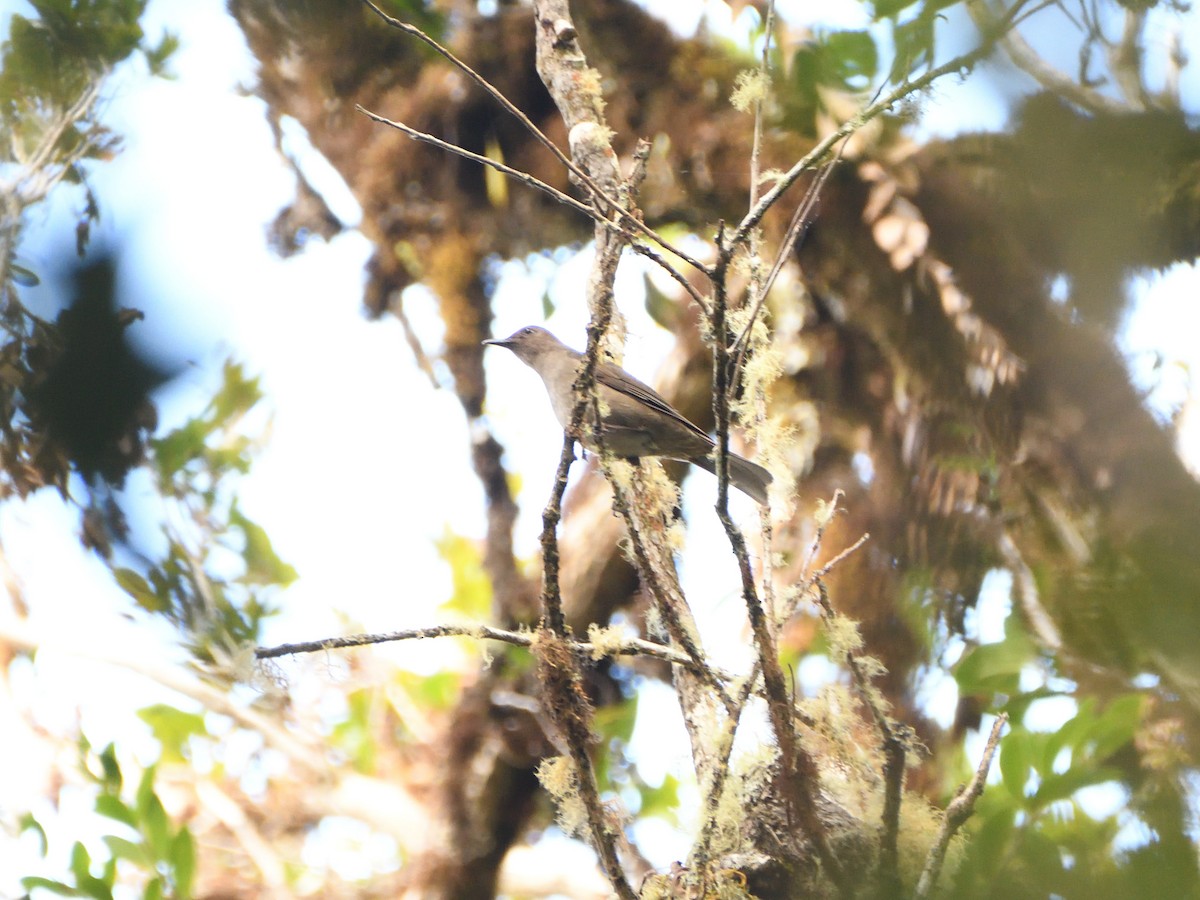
x,y
497,342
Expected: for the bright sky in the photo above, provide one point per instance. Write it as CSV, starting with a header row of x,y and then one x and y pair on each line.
x,y
191,194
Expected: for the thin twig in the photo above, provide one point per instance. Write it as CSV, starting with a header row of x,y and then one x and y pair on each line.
x,y
958,812
763,66
800,220
1031,63
626,647
602,197
523,177
825,569
668,607
866,114
799,775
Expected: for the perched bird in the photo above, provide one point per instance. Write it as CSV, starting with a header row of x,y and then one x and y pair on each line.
x,y
635,419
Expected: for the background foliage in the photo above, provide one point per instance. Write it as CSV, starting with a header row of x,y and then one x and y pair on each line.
x,y
928,340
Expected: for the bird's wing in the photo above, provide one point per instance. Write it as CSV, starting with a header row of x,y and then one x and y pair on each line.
x,y
618,379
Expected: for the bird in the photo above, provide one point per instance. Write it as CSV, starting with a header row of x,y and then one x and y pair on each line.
x,y
635,419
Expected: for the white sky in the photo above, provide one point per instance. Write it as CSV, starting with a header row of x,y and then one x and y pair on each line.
x,y
193,192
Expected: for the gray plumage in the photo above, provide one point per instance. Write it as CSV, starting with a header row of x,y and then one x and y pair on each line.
x,y
636,420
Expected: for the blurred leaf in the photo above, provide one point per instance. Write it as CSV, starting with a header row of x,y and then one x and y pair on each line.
x,y
263,565
111,779
23,276
173,728
29,823
888,9
152,818
616,720
914,47
139,589
157,57
472,588
1061,787
47,884
183,861
177,448
353,735
136,853
1014,762
1116,726
437,691
851,59
995,668
238,393
661,801
113,807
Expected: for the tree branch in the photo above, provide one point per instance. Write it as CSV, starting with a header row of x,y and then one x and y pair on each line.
x,y
958,812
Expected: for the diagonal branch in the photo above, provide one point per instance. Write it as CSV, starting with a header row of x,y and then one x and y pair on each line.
x,y
958,812
866,114
566,34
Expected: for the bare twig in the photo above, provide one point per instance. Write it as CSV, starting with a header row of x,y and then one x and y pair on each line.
x,y
825,569
1029,61
799,777
517,174
866,114
602,197
586,209
800,220
625,647
958,812
667,598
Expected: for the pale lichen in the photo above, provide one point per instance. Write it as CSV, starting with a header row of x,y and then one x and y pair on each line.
x,y
750,88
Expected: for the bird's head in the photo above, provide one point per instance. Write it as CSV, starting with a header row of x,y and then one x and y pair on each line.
x,y
530,344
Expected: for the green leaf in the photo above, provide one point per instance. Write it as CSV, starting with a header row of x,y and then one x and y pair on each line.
x,y
113,807
1060,787
139,589
111,778
888,9
616,720
152,818
177,448
1070,734
437,691
157,57
913,41
851,59
995,668
662,800
29,823
173,728
46,884
263,565
183,861
1116,726
81,862
238,394
135,852
1014,762
354,734
471,586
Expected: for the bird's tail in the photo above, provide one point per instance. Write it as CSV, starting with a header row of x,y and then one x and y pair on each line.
x,y
748,477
